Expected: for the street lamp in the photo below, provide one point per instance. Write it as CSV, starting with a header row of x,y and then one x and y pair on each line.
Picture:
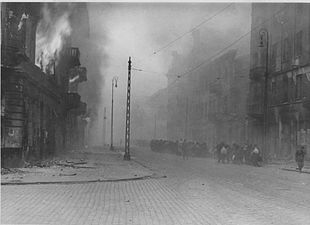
x,y
114,84
264,42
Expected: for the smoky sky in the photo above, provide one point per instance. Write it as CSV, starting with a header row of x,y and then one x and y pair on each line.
x,y
140,29
108,33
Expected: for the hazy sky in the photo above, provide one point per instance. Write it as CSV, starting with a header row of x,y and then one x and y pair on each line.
x,y
139,29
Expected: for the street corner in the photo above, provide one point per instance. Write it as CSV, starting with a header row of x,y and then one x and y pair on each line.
x,y
124,169
77,169
305,170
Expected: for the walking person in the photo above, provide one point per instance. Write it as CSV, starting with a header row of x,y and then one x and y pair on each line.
x,y
300,157
255,156
184,149
223,153
218,151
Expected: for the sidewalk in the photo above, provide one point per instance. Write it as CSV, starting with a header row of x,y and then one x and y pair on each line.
x,y
290,165
95,165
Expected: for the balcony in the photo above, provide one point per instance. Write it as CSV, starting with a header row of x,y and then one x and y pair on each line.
x,y
306,103
255,110
72,101
73,56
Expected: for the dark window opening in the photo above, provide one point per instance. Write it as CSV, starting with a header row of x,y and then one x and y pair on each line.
x,y
298,90
274,54
285,89
273,88
286,50
298,44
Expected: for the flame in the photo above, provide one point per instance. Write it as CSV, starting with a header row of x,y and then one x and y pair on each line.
x,y
22,20
51,34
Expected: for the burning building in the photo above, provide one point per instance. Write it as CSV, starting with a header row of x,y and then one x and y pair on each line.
x,y
41,111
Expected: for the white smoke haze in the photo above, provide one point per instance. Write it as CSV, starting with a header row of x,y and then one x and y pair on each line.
x,y
51,33
139,29
120,30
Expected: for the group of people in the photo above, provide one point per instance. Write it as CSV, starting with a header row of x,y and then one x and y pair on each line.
x,y
248,154
239,154
181,147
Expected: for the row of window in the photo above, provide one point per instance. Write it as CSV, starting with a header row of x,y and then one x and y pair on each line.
x,y
292,86
286,46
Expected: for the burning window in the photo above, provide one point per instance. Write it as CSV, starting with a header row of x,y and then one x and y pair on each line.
x,y
52,32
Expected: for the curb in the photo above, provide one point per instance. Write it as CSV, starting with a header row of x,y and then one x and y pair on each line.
x,y
292,170
153,176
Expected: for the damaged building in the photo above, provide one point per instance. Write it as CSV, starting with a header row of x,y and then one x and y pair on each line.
x,y
41,111
280,56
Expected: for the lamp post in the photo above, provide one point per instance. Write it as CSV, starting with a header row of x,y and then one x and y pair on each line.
x,y
127,132
264,42
114,84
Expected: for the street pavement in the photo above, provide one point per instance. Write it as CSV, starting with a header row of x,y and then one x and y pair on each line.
x,y
77,167
195,191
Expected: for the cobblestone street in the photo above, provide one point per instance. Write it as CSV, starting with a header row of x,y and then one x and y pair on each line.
x,y
197,191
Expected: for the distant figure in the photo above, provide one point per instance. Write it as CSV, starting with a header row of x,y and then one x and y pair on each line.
x,y
180,144
255,156
223,154
300,157
184,150
245,150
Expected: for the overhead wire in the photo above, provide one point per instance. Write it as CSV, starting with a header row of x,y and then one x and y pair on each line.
x,y
188,32
194,28
181,75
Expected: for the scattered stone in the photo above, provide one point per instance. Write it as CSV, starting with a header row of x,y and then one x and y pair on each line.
x,y
67,174
11,171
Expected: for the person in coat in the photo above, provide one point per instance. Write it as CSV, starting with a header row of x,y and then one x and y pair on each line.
x,y
300,157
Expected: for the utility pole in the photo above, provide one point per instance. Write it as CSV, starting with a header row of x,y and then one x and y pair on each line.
x,y
114,84
104,124
263,32
127,133
155,127
186,119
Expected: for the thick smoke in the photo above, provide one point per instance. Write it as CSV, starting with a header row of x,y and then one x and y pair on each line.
x,y
140,29
91,42
70,24
108,33
52,31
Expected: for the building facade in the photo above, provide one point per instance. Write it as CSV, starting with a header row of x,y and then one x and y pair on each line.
x,y
280,61
37,105
209,104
